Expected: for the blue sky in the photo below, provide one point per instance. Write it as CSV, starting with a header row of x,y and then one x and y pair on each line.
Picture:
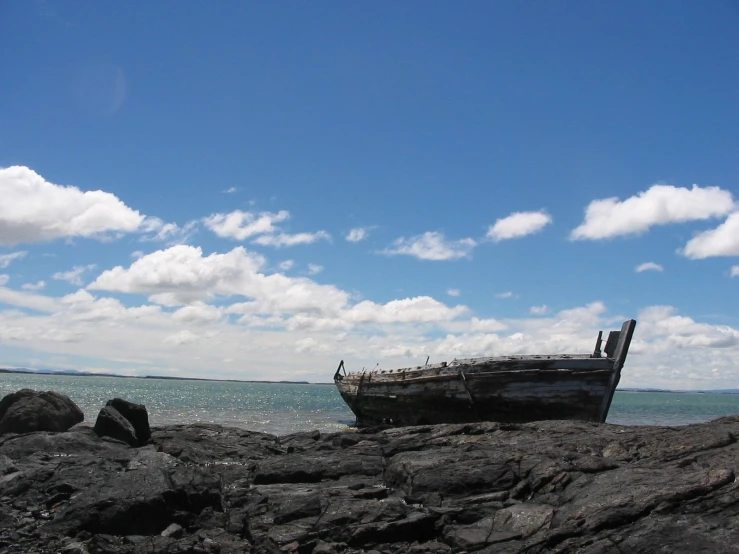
x,y
513,177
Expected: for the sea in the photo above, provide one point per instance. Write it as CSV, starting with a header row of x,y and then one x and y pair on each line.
x,y
283,408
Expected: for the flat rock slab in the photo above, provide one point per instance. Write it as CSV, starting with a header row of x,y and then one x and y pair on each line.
x,y
538,488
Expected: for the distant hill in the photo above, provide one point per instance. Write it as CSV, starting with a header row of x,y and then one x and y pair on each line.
x,y
76,373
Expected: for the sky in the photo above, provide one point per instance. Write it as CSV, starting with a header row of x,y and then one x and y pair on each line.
x,y
258,190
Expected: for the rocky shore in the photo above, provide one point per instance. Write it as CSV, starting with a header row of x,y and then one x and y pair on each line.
x,y
491,488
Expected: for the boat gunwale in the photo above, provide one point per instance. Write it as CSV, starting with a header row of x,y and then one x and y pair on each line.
x,y
354,379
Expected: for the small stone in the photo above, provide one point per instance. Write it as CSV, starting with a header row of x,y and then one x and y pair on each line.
x,y
74,548
211,546
323,548
174,531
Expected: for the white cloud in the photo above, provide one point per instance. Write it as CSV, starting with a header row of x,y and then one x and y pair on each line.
x,y
73,276
721,241
539,310
648,266
314,269
181,275
506,294
20,299
287,264
432,246
735,271
83,306
486,325
454,292
137,254
286,239
181,338
518,224
240,225
34,210
34,286
357,234
197,314
169,233
4,279
659,205
230,190
7,259
418,309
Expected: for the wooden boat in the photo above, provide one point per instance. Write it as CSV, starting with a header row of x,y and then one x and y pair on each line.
x,y
505,388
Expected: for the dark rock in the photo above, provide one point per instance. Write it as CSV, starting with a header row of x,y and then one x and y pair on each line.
x,y
136,415
548,487
111,423
28,410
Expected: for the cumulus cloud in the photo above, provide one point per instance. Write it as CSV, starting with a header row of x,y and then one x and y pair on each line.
x,y
506,294
314,269
74,275
181,338
182,275
486,325
659,205
539,310
240,225
518,224
735,271
419,309
357,234
230,190
197,314
287,264
721,241
431,246
34,286
170,233
648,266
453,292
7,259
35,210
286,239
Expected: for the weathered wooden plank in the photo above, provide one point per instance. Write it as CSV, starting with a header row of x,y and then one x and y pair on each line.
x,y
622,348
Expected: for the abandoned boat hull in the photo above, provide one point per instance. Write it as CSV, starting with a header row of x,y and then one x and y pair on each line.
x,y
506,389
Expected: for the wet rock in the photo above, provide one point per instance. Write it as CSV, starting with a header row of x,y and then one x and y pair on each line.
x,y
28,410
111,423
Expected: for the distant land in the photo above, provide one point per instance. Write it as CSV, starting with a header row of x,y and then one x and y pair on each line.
x,y
76,373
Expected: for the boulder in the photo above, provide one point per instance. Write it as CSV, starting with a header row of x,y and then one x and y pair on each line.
x,y
136,415
110,423
28,410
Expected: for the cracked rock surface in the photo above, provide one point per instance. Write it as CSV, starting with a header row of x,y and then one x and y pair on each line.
x,y
546,487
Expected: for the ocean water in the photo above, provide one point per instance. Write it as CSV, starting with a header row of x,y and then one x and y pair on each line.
x,y
286,408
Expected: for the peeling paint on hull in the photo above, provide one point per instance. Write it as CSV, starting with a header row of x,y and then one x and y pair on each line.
x,y
507,389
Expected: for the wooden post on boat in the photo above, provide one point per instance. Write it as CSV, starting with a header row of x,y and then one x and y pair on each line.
x,y
619,355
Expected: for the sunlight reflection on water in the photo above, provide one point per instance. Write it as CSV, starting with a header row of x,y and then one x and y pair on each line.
x,y
287,408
